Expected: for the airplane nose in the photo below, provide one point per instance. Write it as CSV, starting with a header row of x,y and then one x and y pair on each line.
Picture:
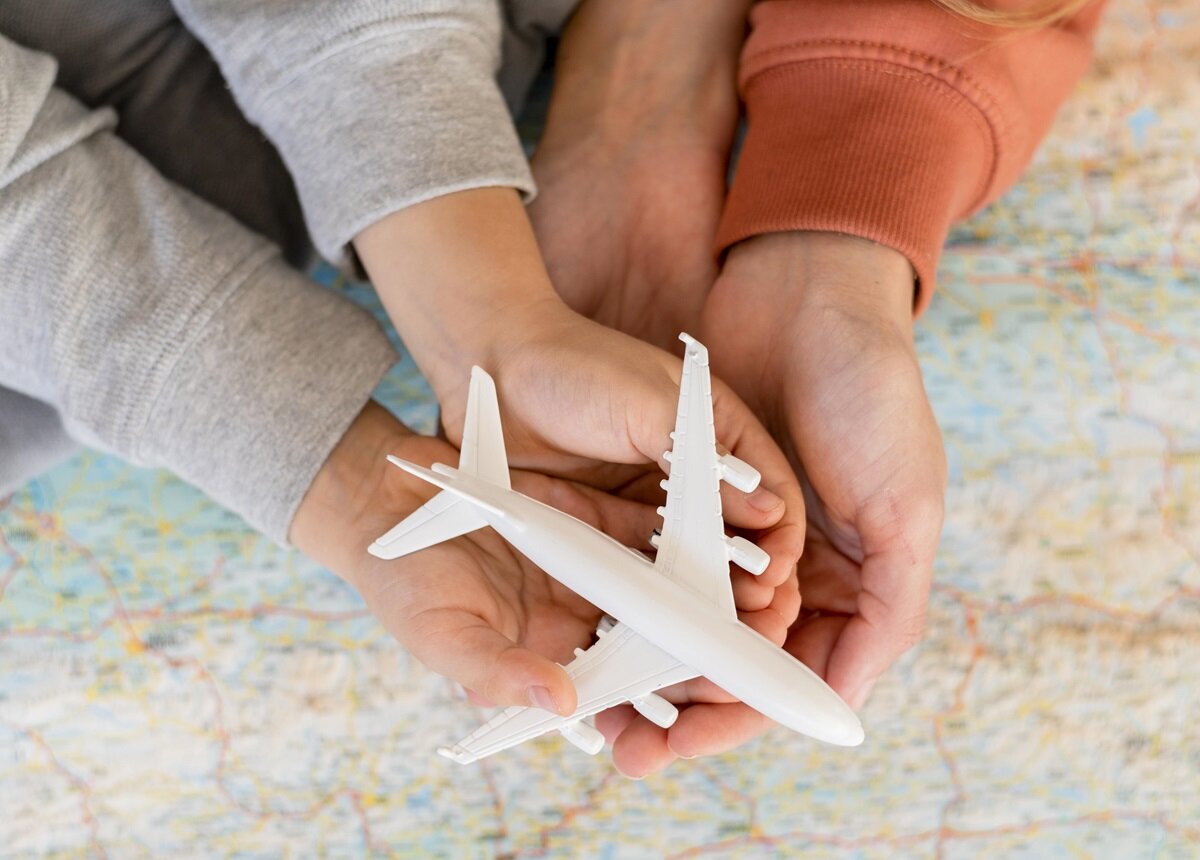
x,y
842,726
849,734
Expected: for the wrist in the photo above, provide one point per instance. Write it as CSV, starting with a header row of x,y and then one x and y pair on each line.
x,y
806,272
333,525
810,299
462,279
631,69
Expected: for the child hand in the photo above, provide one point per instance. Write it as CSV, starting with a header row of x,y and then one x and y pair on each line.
x,y
844,387
632,165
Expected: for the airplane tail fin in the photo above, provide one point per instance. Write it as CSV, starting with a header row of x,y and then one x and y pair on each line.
x,y
483,453
455,511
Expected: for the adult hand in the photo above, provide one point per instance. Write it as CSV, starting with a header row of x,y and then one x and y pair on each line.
x,y
471,609
814,330
632,165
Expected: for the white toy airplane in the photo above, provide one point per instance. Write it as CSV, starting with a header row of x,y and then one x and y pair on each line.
x,y
677,615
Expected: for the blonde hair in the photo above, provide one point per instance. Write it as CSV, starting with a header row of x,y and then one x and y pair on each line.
x,y
1035,15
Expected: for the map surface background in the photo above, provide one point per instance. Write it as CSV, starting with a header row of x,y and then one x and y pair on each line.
x,y
175,685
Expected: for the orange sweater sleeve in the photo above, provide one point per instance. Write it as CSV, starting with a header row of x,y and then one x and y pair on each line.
x,y
890,119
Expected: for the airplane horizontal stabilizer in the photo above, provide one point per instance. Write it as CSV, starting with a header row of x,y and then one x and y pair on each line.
x,y
444,517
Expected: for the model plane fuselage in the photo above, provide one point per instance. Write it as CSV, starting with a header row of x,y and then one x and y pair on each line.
x,y
626,585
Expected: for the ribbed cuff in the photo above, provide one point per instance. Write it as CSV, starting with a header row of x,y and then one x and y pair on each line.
x,y
857,146
260,397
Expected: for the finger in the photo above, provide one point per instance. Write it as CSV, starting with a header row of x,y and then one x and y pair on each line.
x,y
698,689
769,624
749,593
759,509
784,544
890,619
812,641
788,600
627,521
783,540
708,729
464,648
613,721
773,620
478,700
645,488
641,749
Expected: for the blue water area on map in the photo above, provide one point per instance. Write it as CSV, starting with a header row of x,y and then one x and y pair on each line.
x,y
1139,122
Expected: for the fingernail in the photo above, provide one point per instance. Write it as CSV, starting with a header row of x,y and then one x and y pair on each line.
x,y
764,500
680,755
540,697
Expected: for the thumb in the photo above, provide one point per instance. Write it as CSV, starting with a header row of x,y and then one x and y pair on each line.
x,y
464,648
893,599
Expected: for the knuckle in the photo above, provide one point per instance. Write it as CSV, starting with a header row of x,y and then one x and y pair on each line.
x,y
925,515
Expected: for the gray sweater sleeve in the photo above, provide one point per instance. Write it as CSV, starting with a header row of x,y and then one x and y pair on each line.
x,y
375,105
160,328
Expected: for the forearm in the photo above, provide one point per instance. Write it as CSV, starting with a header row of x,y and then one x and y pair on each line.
x,y
374,106
158,327
462,279
648,65
333,525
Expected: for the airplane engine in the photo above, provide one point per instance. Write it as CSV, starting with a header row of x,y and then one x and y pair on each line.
x,y
586,737
746,555
738,473
657,710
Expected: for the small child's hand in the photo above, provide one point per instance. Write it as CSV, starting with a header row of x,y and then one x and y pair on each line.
x,y
582,401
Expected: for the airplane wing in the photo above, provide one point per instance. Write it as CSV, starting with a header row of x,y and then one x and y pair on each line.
x,y
620,667
692,548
